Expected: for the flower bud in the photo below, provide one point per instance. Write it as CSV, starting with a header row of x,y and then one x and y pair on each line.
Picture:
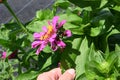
x,y
67,33
13,55
105,67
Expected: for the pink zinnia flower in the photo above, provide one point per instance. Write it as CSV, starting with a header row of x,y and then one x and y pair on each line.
x,y
3,55
50,35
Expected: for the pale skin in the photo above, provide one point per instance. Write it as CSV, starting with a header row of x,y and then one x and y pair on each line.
x,y
56,74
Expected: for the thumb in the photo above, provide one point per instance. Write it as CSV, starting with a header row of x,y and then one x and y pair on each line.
x,y
51,75
68,75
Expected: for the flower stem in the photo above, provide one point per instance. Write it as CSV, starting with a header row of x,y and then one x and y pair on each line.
x,y
13,14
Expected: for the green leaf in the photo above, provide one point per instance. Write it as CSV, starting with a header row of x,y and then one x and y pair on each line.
x,y
46,61
29,75
75,29
117,47
64,4
4,33
85,3
26,57
81,59
4,43
30,37
68,56
44,14
85,14
117,8
103,3
36,26
95,55
112,59
98,30
47,49
69,25
70,18
40,20
91,74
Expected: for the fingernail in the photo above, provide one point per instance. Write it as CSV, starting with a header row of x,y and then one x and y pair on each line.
x,y
71,71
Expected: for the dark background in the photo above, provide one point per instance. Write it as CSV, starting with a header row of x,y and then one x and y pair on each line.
x,y
24,9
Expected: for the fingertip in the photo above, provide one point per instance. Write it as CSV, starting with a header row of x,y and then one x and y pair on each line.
x,y
56,72
68,75
53,74
71,71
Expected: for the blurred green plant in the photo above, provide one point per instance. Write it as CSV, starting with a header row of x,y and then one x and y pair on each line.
x,y
93,50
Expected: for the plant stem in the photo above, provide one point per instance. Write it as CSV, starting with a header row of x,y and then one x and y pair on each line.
x,y
54,10
13,14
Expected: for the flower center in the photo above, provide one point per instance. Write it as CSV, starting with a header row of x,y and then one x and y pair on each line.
x,y
48,34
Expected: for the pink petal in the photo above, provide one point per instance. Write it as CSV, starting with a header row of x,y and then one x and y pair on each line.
x,y
44,28
61,44
42,46
36,43
4,55
61,23
68,33
38,35
49,23
55,21
54,46
52,37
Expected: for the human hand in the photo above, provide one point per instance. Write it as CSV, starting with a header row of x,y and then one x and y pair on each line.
x,y
56,74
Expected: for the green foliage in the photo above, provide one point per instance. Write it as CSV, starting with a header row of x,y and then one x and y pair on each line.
x,y
64,4
28,75
93,50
